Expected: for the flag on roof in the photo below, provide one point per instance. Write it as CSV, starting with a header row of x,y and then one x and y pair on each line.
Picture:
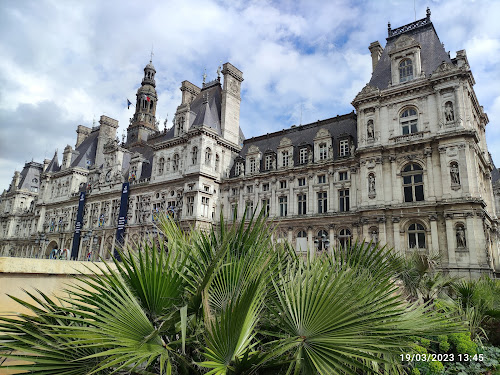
x,y
148,98
129,103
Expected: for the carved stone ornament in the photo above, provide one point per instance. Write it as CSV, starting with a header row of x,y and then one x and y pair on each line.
x,y
404,41
253,149
322,133
367,90
443,68
285,141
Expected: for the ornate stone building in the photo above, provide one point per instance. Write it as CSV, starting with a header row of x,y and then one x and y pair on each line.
x,y
408,167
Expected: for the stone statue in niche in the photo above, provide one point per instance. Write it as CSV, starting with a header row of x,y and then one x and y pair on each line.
x,y
370,130
374,235
330,152
448,111
460,236
371,184
454,173
142,116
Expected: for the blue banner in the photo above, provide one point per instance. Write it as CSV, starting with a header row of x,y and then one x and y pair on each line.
x,y
122,218
78,227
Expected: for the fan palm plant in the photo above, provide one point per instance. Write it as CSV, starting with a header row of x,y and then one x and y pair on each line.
x,y
224,301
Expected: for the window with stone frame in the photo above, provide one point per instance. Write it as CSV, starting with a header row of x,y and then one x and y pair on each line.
x,y
323,151
194,155
175,162
268,162
283,184
405,70
265,187
302,181
409,121
344,147
205,201
322,179
252,165
344,205
249,210
343,176
303,155
416,236
344,238
302,204
285,158
283,202
249,189
190,205
238,168
322,202
265,205
413,183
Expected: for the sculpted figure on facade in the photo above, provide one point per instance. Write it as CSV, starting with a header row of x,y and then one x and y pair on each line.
x,y
448,111
371,184
370,130
454,173
460,236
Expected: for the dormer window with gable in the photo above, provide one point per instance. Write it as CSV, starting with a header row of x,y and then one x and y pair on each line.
x,y
269,162
303,155
405,70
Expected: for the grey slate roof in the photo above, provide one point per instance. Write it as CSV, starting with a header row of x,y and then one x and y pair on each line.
x,y
86,151
339,127
432,54
53,165
208,113
495,175
30,172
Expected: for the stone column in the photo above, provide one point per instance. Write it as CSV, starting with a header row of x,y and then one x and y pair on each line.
x,y
450,240
473,238
310,195
331,197
290,235
310,241
382,237
331,235
430,175
274,209
397,236
434,248
353,196
395,182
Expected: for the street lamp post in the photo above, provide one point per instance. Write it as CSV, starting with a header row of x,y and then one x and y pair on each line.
x,y
322,243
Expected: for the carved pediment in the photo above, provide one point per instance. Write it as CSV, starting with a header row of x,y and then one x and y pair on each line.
x,y
285,142
404,41
444,67
323,133
253,150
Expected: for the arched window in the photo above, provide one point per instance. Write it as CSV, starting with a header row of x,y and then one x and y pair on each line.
x,y
416,236
405,70
175,165
413,183
208,156
194,155
161,165
344,238
302,234
409,121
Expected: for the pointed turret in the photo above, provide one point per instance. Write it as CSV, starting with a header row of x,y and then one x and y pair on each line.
x,y
144,121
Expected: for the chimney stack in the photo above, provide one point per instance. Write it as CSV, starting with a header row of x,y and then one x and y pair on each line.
x,y
376,51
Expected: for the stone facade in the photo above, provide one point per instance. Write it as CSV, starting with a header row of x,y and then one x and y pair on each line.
x,y
409,167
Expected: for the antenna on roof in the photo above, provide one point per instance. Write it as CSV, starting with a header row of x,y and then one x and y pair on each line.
x,y
414,10
151,59
204,75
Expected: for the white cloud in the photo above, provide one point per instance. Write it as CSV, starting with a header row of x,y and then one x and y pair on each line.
x,y
65,62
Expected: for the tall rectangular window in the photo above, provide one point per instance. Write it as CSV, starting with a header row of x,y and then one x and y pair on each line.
x,y
323,152
302,199
302,181
344,147
265,187
322,202
322,179
283,184
190,205
283,206
285,157
204,206
249,208
343,176
266,206
344,200
303,156
249,188
253,165
269,162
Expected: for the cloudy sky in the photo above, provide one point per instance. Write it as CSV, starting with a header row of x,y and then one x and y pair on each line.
x,y
64,62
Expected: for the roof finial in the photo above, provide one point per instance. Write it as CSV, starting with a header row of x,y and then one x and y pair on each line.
x,y
218,72
389,28
428,14
151,58
204,75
